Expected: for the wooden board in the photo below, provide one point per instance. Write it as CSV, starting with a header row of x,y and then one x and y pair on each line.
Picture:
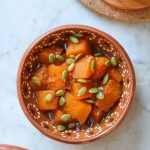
x,y
129,4
102,8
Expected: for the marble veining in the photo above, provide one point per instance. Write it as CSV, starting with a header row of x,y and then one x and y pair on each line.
x,y
20,23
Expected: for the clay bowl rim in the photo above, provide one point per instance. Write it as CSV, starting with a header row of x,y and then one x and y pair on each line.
x,y
94,30
10,147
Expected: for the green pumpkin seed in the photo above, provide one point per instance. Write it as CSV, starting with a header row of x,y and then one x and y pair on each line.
x,y
98,54
62,101
36,81
61,128
78,57
114,61
60,58
108,63
78,35
89,101
100,95
93,90
82,80
74,39
60,93
105,78
48,98
70,61
93,66
52,58
64,75
65,117
71,125
71,66
82,91
72,56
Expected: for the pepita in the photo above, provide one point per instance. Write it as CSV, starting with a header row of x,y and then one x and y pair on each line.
x,y
71,125
60,58
78,35
105,78
82,80
64,75
93,90
65,117
114,61
108,63
89,101
61,128
48,98
62,101
74,39
93,66
71,66
36,81
52,58
60,93
70,61
82,91
100,95
78,57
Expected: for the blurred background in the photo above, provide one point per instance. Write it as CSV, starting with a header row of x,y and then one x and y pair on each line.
x,y
21,22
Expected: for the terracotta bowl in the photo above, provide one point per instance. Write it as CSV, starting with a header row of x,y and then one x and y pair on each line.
x,y
10,147
40,120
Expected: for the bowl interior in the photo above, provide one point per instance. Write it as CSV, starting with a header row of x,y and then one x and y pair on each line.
x,y
29,102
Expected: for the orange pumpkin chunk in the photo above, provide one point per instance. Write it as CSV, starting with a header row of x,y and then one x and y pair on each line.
x,y
55,77
115,74
77,86
42,75
80,48
82,68
96,113
112,92
42,105
79,110
43,56
101,68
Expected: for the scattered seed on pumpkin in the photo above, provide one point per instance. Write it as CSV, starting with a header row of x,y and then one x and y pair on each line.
x,y
48,98
60,58
65,117
100,95
114,61
105,78
93,90
98,54
52,58
60,93
89,101
64,75
71,125
36,81
62,101
70,61
108,63
82,80
78,57
72,56
71,66
78,35
93,66
61,128
82,91
74,39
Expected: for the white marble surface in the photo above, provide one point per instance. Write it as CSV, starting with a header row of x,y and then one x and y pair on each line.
x,y
21,21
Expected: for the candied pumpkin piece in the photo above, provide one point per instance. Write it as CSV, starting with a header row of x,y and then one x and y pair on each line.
x,y
42,75
101,68
96,113
43,56
57,117
82,68
55,81
115,74
77,86
112,92
42,104
82,47
78,109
